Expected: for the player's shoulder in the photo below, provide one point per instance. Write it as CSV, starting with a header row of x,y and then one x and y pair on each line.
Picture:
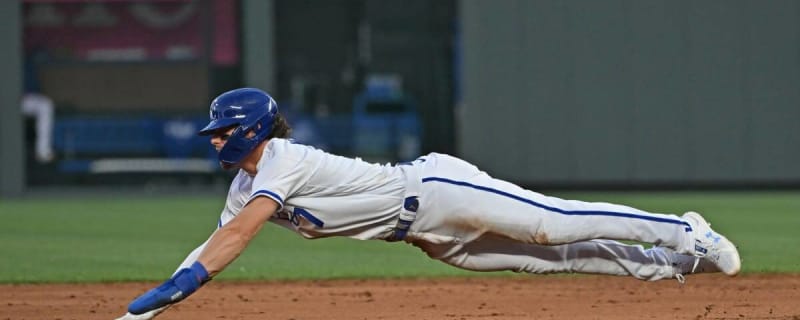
x,y
279,144
277,147
282,153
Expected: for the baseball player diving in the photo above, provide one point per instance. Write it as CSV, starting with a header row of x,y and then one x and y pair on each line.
x,y
445,206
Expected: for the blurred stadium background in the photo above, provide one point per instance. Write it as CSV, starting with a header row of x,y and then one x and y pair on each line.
x,y
566,96
549,94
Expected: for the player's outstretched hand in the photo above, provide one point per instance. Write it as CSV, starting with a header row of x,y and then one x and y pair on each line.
x,y
144,316
185,282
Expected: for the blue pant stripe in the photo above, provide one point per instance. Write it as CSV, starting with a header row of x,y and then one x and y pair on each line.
x,y
557,210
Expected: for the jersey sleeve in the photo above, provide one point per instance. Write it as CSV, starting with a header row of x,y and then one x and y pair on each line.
x,y
283,171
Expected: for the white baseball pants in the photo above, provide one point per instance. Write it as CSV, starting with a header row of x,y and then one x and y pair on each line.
x,y
473,221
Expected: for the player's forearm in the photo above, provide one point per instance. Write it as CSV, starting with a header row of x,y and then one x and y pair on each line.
x,y
228,242
220,250
226,245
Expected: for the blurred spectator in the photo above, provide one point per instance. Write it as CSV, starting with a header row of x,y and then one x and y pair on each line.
x,y
37,105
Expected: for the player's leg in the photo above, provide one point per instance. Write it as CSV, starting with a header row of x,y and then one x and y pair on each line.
x,y
41,108
461,201
494,253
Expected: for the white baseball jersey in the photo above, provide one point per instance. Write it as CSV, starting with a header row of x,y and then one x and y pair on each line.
x,y
321,194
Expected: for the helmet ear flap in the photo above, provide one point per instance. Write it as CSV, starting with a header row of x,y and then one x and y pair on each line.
x,y
244,140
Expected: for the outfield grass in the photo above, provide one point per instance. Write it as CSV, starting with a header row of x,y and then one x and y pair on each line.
x,y
114,238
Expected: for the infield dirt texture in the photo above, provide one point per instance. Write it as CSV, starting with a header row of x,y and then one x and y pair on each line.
x,y
86,257
533,297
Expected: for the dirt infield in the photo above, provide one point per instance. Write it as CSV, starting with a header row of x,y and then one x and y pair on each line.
x,y
533,297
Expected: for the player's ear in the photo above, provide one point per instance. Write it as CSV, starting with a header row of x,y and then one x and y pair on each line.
x,y
252,132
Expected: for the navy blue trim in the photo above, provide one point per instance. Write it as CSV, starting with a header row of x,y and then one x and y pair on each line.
x,y
310,217
219,224
557,210
269,193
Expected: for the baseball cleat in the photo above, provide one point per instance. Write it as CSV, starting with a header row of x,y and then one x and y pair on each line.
x,y
712,246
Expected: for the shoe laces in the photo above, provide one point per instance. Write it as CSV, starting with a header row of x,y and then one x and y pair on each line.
x,y
680,277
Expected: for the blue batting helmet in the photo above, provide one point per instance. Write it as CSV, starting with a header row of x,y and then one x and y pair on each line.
x,y
249,110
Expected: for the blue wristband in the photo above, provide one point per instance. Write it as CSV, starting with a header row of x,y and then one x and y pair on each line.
x,y
181,285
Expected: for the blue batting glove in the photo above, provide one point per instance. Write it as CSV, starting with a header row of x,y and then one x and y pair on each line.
x,y
177,288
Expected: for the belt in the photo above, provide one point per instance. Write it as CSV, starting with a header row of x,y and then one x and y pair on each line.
x,y
408,212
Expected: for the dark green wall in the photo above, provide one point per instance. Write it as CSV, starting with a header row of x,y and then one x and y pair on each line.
x,y
12,168
632,92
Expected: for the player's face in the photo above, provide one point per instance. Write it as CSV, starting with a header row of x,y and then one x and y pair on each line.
x,y
220,136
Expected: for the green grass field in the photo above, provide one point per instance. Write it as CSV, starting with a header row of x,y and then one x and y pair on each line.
x,y
123,238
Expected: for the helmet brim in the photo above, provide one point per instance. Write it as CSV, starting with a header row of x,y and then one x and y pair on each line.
x,y
218,124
